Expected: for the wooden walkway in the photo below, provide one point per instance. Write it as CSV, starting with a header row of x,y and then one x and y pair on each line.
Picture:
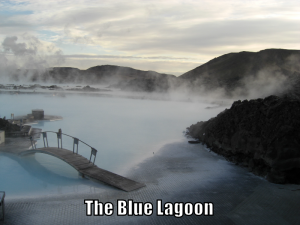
x,y
83,166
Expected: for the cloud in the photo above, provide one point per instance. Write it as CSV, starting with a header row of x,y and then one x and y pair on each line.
x,y
181,29
19,49
206,37
124,56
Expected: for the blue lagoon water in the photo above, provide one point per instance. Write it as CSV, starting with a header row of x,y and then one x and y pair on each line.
x,y
123,130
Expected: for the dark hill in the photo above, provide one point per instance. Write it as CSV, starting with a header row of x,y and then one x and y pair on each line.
x,y
120,71
245,69
117,76
63,75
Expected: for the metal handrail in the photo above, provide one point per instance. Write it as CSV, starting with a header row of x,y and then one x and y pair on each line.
x,y
59,136
64,134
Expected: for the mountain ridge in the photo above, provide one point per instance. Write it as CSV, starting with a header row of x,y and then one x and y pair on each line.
x,y
234,70
270,71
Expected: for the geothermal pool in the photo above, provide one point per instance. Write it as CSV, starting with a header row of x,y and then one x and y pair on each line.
x,y
124,131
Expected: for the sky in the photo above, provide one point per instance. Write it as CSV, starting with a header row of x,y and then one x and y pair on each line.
x,y
170,36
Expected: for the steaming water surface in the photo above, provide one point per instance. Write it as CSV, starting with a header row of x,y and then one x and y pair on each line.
x,y
124,131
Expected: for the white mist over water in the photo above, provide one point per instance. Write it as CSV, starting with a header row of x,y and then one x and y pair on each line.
x,y
124,131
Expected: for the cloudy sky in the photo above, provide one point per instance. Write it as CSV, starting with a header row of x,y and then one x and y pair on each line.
x,y
170,36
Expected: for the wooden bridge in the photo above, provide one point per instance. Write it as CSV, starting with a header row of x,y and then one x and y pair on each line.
x,y
84,166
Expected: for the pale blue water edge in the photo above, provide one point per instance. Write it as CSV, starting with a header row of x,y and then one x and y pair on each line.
x,y
124,131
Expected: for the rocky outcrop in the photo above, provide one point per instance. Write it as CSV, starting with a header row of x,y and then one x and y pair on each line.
x,y
262,134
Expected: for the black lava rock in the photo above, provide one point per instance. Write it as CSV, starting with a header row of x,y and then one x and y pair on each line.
x,y
262,134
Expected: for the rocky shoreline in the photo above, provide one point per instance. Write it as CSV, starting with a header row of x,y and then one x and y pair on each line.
x,y
50,88
261,134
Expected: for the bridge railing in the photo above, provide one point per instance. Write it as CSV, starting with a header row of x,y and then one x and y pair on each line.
x,y
60,145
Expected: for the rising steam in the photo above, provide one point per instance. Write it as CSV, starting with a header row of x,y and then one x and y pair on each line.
x,y
28,58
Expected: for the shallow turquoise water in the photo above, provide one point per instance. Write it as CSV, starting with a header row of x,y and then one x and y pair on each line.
x,y
124,131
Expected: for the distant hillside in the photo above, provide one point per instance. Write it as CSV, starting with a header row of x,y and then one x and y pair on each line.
x,y
125,78
100,73
243,72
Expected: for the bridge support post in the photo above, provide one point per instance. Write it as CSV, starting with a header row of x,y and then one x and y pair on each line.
x,y
45,136
75,143
59,136
93,152
32,143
